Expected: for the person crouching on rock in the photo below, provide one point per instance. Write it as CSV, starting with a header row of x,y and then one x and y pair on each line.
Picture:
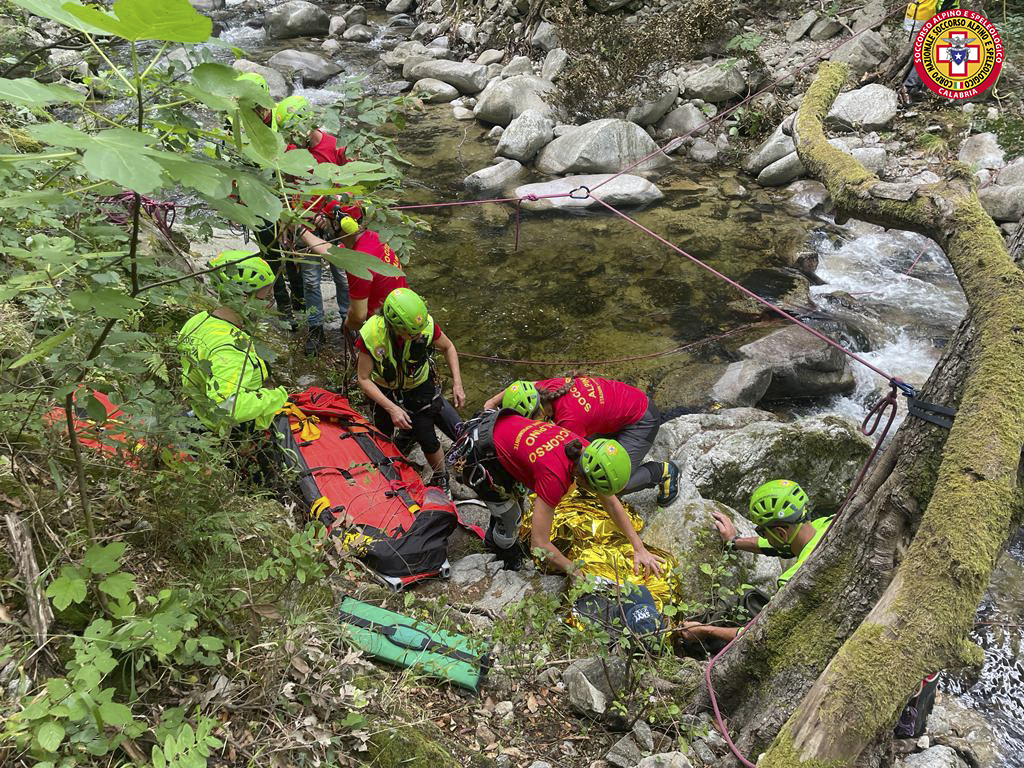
x,y
596,407
395,372
782,514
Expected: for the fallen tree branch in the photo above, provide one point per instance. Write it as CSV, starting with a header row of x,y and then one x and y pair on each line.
x,y
40,615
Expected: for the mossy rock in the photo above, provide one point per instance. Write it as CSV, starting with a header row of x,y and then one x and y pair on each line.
x,y
408,747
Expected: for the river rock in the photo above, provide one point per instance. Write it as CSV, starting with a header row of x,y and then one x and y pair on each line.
x,y
1003,203
593,683
296,18
1012,175
703,151
869,108
685,120
626,190
802,364
675,433
624,753
467,77
490,56
401,53
358,33
871,15
934,757
525,136
801,26
743,383
775,147
952,724
545,37
782,171
807,195
462,113
494,178
275,80
400,6
982,151
519,65
863,53
652,111
506,588
504,100
606,6
601,146
338,27
686,530
554,63
434,91
313,69
824,29
207,6
666,760
356,15
716,83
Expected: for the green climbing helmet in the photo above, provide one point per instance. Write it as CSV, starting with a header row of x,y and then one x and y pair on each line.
x,y
405,310
291,111
522,397
606,466
243,267
778,502
257,78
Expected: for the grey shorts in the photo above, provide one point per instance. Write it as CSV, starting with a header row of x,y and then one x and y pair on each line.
x,y
638,437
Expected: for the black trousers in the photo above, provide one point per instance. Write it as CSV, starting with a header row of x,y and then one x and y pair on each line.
x,y
637,439
427,408
288,283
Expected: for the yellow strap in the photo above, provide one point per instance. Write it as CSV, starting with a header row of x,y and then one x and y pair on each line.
x,y
305,425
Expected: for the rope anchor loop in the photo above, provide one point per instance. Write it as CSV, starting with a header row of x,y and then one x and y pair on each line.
x,y
584,196
887,405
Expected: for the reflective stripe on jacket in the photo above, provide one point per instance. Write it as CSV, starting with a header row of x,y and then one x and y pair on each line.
x,y
414,367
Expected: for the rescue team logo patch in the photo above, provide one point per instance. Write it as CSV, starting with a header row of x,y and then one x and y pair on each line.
x,y
958,54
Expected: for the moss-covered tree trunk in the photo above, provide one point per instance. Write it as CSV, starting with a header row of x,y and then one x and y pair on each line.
x,y
892,592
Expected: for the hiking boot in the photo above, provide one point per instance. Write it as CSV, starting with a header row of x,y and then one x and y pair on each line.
x,y
441,480
669,488
511,557
314,341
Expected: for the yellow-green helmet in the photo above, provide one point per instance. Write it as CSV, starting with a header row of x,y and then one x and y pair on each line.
x,y
255,77
522,397
778,502
248,269
404,310
291,112
606,466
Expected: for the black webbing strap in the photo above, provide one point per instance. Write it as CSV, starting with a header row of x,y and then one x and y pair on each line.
x,y
940,415
429,644
385,465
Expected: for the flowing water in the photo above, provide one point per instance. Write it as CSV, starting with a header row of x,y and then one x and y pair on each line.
x,y
585,289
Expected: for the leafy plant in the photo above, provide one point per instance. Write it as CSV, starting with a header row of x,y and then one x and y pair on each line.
x,y
745,41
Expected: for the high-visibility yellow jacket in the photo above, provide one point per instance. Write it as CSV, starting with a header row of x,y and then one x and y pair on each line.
x,y
223,376
918,13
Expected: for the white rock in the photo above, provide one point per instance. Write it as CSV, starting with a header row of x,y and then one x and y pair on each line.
x,y
355,15
504,100
461,113
400,6
330,46
358,33
685,120
312,68
545,37
982,151
652,111
296,18
507,587
935,757
520,65
434,91
703,151
554,63
495,132
625,190
526,135
869,108
717,83
490,56
782,171
666,760
1012,175
493,178
467,77
401,53
775,147
471,569
278,85
607,145
1003,203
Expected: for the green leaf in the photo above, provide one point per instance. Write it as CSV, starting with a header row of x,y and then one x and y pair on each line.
x,y
43,348
258,196
118,585
705,569
359,264
58,688
65,136
31,93
104,558
211,643
107,302
31,199
201,175
58,11
95,410
221,81
67,588
133,171
264,142
174,21
115,714
49,735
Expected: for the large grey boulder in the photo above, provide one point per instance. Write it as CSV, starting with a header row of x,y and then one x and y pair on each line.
x,y
626,190
356,15
545,36
554,63
467,77
338,26
519,65
790,167
717,83
650,112
743,383
593,683
525,136
934,757
358,33
982,151
493,178
677,432
275,80
775,147
504,100
1013,174
666,760
401,53
313,69
801,26
954,725
296,18
602,146
1003,203
869,108
400,6
871,15
685,120
863,53
802,364
824,28
434,91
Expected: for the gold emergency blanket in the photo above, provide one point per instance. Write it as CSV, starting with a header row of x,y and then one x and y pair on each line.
x,y
585,533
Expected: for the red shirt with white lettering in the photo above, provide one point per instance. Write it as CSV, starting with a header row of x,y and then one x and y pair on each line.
x,y
594,406
377,288
533,452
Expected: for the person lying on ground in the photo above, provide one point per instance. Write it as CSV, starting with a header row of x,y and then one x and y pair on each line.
x,y
223,377
395,372
595,407
782,514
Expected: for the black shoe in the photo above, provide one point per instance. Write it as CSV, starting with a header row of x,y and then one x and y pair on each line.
x,y
511,558
441,480
314,341
669,488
